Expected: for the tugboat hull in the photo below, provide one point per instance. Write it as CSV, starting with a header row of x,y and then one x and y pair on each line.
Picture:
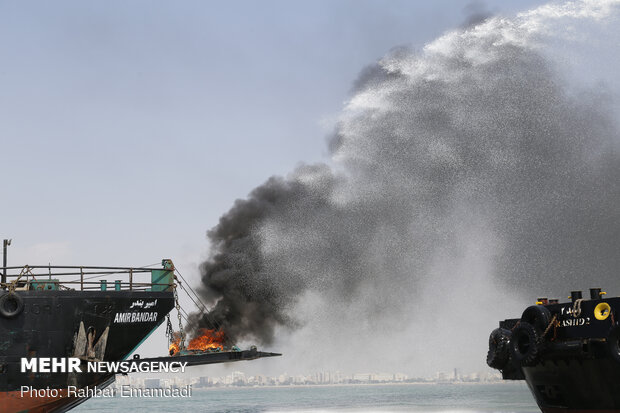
x,y
575,385
568,353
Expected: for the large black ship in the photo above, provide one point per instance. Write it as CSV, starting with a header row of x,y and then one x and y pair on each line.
x,y
90,313
568,353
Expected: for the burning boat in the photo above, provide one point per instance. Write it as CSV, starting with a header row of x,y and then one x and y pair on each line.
x,y
568,353
206,341
77,312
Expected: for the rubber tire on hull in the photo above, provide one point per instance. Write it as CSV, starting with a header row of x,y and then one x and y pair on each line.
x,y
11,305
498,354
613,342
538,316
525,344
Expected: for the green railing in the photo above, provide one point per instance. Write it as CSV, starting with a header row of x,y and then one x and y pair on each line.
x,y
66,277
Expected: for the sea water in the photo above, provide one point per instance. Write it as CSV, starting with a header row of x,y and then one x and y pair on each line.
x,y
448,398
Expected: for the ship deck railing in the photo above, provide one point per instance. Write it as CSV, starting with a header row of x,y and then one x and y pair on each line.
x,y
84,278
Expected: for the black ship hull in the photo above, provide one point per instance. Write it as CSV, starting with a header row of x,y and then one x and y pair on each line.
x,y
575,385
568,353
91,325
45,320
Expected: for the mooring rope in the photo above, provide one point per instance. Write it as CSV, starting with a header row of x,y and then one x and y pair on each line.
x,y
577,307
555,316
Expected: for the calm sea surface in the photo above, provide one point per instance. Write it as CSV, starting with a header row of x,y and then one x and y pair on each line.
x,y
504,398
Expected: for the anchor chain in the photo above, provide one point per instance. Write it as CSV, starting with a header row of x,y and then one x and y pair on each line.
x,y
178,307
169,330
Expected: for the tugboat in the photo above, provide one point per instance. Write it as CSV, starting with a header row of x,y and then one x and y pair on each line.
x,y
568,353
78,312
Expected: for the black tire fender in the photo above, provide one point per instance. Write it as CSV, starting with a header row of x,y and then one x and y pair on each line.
x,y
498,354
613,342
538,316
11,305
525,344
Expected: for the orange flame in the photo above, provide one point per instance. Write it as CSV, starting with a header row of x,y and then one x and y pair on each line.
x,y
175,346
206,340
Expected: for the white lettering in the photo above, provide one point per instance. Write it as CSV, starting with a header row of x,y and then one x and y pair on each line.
x,y
29,365
58,365
142,317
72,391
74,365
44,365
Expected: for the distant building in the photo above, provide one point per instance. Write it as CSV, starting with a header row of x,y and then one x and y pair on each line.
x,y
381,377
400,377
238,377
362,377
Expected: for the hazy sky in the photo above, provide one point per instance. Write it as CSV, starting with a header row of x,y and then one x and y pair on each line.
x,y
128,128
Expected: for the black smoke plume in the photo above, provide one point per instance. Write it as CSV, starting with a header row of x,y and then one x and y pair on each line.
x,y
472,164
251,301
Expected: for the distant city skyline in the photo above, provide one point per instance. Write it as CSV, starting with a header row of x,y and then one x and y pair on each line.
x,y
241,379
